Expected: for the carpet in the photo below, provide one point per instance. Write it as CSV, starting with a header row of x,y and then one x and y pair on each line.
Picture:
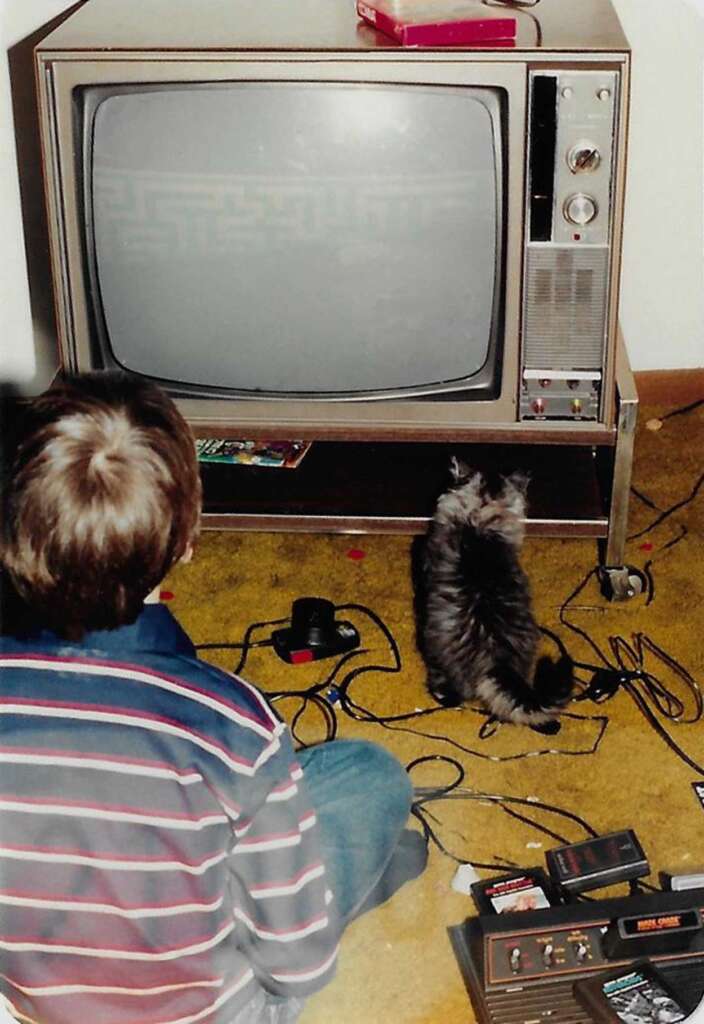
x,y
611,766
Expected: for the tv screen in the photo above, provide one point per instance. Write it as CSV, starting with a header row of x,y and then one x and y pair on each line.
x,y
283,238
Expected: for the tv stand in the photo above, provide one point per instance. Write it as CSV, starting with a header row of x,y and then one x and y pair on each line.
x,y
578,488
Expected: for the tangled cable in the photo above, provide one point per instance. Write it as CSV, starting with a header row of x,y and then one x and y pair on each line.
x,y
455,791
626,669
334,691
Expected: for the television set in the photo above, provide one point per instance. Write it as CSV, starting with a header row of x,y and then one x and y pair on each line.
x,y
302,229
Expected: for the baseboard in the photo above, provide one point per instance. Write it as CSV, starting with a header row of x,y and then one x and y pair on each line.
x,y
671,387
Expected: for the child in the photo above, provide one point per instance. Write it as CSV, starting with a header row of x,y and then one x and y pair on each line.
x,y
165,856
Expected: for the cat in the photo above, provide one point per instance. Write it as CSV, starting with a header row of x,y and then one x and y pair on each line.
x,y
477,632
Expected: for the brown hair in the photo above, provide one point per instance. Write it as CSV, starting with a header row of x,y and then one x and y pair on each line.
x,y
103,497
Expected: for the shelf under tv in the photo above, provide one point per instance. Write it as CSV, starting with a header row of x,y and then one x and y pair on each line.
x,y
579,488
392,487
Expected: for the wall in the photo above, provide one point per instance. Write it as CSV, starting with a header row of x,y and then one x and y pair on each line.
x,y
28,356
663,278
662,293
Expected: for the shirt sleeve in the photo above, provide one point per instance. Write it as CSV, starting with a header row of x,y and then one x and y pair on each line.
x,y
285,912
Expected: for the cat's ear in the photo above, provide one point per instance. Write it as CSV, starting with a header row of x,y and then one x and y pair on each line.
x,y
520,480
459,470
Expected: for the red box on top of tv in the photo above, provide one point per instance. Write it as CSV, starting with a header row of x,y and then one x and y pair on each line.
x,y
438,22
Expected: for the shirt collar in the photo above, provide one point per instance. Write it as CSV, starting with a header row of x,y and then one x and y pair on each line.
x,y
155,629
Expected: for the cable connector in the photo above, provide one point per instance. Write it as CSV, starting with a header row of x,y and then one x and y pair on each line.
x,y
604,684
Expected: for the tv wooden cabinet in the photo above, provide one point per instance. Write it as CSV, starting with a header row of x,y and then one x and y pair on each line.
x,y
580,483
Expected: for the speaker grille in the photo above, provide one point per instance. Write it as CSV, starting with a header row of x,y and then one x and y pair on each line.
x,y
565,308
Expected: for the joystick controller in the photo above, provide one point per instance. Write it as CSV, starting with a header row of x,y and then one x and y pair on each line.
x,y
314,632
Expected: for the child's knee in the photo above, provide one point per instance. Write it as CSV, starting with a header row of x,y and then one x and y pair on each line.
x,y
385,778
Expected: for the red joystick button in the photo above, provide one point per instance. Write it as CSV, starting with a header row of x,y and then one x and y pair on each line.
x,y
298,657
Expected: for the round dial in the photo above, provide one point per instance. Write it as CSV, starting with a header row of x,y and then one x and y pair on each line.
x,y
580,209
583,157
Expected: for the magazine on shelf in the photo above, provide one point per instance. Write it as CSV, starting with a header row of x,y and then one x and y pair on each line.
x,y
275,454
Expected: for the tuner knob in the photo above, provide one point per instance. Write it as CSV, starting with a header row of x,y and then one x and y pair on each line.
x,y
580,209
583,157
515,959
548,951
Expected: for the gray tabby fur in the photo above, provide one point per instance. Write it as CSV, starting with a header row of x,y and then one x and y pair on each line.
x,y
477,632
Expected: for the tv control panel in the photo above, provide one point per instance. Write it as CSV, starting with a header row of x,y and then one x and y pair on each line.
x,y
569,217
585,126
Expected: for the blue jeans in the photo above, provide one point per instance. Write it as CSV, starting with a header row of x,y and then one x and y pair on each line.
x,y
362,798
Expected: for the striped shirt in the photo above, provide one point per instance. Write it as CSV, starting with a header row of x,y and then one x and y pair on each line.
x,y
159,857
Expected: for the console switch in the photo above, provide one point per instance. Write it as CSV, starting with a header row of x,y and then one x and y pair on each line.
x,y
580,951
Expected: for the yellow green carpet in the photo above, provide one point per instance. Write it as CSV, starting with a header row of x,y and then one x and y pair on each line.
x,y
396,964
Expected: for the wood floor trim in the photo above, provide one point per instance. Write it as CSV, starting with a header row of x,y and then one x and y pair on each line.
x,y
670,387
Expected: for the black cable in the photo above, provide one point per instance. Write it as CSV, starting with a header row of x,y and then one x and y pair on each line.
x,y
675,540
322,705
362,714
521,7
556,640
425,758
315,694
247,643
576,629
422,815
666,513
527,802
683,409
452,791
645,499
324,695
669,705
233,646
627,671
359,713
503,758
647,568
534,824
627,657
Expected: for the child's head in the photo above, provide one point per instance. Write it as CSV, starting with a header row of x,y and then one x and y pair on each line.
x,y
102,498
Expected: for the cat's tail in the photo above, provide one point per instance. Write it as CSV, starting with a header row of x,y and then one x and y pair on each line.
x,y
510,699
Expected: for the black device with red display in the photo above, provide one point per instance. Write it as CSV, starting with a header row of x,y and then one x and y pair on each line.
x,y
594,863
